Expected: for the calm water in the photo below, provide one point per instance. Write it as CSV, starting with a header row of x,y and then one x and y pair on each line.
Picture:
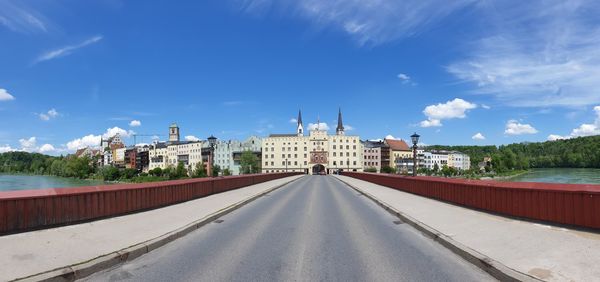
x,y
560,175
27,182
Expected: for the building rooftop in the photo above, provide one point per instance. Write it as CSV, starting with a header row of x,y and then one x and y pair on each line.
x,y
283,135
397,145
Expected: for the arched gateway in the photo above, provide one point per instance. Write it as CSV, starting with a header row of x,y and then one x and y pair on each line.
x,y
318,169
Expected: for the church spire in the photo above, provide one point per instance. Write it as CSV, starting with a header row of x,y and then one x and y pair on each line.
x,y
300,127
340,126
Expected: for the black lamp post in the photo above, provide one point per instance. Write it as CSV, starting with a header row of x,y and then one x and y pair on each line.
x,y
212,141
415,140
348,163
286,164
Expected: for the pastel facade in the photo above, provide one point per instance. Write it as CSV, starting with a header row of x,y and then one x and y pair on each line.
x,y
318,152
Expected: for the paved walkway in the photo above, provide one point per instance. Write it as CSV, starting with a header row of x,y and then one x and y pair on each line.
x,y
545,252
35,252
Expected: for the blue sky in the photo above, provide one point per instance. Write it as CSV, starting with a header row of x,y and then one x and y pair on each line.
x,y
460,72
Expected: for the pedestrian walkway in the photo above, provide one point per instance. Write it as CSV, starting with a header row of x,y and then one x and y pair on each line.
x,y
546,252
35,252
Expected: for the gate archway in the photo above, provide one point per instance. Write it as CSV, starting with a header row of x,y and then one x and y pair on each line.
x,y
318,169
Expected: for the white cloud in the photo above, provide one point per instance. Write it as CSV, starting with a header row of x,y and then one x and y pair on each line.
x,y
293,120
110,132
586,129
485,106
6,148
85,141
29,144
93,141
543,53
430,123
404,78
135,123
47,148
348,127
513,127
389,136
367,22
456,108
5,96
478,136
321,125
192,138
52,113
554,137
67,50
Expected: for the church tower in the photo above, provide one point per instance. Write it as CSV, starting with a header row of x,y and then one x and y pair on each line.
x,y
340,126
173,133
300,128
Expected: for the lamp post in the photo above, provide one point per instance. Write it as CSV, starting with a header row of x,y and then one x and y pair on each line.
x,y
415,140
286,163
212,141
348,163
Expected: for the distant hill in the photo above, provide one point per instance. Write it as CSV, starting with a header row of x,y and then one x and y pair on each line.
x,y
581,152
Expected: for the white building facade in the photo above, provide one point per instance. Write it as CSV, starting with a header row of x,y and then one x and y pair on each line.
x,y
317,153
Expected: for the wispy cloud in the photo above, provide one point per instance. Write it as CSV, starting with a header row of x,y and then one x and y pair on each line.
x,y
369,22
67,50
543,53
16,16
232,103
52,113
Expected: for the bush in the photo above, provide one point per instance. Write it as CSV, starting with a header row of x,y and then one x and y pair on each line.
x,y
371,169
110,173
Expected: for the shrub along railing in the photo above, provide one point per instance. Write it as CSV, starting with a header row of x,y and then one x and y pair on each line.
x,y
570,204
35,209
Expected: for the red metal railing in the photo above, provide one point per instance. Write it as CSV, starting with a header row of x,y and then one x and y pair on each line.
x,y
571,204
34,209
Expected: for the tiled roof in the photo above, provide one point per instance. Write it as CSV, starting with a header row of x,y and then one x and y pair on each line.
x,y
397,145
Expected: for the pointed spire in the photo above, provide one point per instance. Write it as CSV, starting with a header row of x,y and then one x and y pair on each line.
x,y
340,126
318,122
299,127
299,117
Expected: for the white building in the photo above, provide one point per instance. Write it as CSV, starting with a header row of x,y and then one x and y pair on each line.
x,y
170,154
459,161
228,153
318,152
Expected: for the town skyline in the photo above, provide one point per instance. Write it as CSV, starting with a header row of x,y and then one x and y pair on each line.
x,y
72,72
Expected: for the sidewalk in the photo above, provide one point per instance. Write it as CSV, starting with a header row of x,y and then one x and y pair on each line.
x,y
35,252
546,252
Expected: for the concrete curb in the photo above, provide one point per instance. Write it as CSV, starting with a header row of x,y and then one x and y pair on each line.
x,y
86,268
485,263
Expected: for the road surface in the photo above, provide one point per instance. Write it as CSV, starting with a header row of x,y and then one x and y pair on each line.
x,y
313,229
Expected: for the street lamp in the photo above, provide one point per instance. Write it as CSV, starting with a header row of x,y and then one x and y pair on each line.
x,y
348,163
212,141
415,140
286,163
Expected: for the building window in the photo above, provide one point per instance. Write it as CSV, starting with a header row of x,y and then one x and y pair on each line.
x,y
341,162
305,162
283,163
334,163
334,154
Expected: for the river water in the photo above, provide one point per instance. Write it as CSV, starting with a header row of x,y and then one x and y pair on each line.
x,y
29,182
560,175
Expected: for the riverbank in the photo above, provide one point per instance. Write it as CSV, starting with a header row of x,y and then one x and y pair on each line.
x,y
506,176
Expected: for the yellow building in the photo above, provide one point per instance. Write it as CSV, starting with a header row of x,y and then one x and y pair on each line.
x,y
317,153
399,153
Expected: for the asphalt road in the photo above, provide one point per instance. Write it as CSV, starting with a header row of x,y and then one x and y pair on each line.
x,y
313,229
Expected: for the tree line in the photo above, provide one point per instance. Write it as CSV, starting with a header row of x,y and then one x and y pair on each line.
x,y
581,152
87,168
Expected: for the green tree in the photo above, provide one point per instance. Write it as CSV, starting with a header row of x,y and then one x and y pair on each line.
x,y
110,173
388,169
371,169
200,170
226,172
249,163
216,170
156,172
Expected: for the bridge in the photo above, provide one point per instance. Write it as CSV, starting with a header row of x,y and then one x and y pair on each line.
x,y
287,226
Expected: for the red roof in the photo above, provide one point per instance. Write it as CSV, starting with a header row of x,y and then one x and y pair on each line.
x,y
397,145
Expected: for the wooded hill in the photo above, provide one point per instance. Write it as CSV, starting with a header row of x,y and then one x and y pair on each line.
x,y
581,152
